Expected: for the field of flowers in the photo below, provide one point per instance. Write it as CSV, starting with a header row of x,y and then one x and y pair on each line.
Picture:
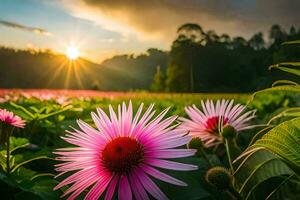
x,y
29,173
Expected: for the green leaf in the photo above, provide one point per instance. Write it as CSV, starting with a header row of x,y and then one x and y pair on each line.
x,y
284,141
284,82
288,88
3,159
287,68
260,133
280,186
16,143
27,112
271,158
44,116
285,64
44,189
290,112
284,189
21,185
28,161
292,42
256,168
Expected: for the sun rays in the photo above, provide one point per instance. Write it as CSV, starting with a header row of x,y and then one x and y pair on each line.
x,y
72,52
70,72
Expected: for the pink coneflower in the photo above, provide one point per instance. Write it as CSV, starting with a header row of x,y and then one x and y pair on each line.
x,y
63,100
207,124
11,119
123,154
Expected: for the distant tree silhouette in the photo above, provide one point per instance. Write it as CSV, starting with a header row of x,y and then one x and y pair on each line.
x,y
257,41
202,61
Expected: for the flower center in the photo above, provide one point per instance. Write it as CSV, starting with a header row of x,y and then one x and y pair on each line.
x,y
122,154
212,124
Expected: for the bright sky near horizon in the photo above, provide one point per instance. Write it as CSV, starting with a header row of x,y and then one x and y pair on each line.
x,y
101,29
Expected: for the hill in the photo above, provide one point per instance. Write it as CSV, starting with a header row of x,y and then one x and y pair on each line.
x,y
27,69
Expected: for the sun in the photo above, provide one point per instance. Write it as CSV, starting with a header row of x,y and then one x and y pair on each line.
x,y
72,53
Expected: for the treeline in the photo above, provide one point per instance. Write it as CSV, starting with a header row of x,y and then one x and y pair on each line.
x,y
202,61
199,61
44,69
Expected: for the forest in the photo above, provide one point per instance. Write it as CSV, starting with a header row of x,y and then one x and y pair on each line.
x,y
202,60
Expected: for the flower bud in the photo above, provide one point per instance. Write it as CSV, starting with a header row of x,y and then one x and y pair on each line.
x,y
195,143
219,177
228,132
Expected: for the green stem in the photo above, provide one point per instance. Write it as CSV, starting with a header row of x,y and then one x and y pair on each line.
x,y
229,155
206,157
9,132
7,156
234,193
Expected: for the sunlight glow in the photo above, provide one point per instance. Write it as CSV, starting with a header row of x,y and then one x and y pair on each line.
x,y
72,53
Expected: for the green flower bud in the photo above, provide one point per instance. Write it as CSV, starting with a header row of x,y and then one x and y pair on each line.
x,y
228,132
219,177
195,143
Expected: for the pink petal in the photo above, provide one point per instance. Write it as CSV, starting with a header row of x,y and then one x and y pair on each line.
x,y
171,153
98,188
111,189
162,176
124,192
137,188
150,186
166,164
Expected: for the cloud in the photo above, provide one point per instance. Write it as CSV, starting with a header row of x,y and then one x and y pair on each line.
x,y
160,18
24,27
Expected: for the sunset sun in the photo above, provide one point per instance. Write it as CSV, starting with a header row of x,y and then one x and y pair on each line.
x,y
72,53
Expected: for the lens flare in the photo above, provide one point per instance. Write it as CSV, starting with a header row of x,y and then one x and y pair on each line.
x,y
72,53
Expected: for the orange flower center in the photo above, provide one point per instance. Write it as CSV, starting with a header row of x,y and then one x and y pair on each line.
x,y
122,154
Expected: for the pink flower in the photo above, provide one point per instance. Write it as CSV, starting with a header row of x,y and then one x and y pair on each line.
x,y
207,124
11,119
122,154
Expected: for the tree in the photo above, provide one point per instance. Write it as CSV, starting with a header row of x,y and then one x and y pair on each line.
x,y
182,64
190,31
257,41
158,84
211,37
238,42
276,35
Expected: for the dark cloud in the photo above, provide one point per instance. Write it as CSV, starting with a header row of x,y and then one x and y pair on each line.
x,y
24,27
162,17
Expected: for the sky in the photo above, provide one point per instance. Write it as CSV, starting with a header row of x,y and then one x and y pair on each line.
x,y
102,29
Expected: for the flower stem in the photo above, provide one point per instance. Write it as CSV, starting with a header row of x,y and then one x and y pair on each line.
x,y
234,193
7,156
8,151
229,155
205,157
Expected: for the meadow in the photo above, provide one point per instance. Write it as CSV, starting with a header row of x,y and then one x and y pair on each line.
x,y
145,100
49,114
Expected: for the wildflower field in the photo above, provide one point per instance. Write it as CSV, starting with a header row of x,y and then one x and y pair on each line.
x,y
37,149
149,100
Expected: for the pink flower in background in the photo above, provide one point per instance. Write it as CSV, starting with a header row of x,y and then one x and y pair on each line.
x,y
208,123
3,100
63,100
43,96
11,119
122,154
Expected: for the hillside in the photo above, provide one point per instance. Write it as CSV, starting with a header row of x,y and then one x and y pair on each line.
x,y
25,69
